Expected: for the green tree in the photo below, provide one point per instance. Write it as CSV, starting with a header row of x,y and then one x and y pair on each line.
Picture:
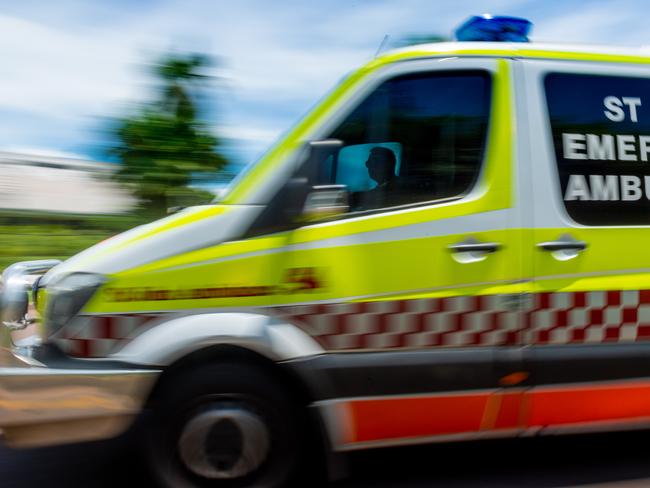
x,y
164,146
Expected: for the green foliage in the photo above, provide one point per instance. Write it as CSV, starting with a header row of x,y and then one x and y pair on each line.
x,y
98,223
27,235
164,145
27,242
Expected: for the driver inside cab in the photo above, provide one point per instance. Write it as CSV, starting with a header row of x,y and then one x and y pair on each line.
x,y
381,164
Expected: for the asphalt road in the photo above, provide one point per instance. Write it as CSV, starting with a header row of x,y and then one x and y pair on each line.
x,y
612,460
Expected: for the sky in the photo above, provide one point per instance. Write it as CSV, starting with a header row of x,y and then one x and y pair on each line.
x,y
68,67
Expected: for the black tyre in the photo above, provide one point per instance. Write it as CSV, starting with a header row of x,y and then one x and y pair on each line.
x,y
230,425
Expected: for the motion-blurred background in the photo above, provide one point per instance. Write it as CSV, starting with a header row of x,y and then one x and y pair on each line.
x,y
112,113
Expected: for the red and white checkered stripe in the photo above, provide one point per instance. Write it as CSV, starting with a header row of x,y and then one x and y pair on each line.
x,y
99,336
546,318
493,320
453,321
589,317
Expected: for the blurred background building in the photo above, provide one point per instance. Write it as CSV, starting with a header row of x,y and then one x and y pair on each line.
x,y
60,185
57,206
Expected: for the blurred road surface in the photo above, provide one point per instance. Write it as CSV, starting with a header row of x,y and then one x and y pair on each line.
x,y
596,461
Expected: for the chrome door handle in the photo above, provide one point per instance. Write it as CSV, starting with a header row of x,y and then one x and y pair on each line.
x,y
485,247
562,246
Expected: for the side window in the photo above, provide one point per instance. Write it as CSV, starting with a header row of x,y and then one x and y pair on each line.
x,y
416,138
601,137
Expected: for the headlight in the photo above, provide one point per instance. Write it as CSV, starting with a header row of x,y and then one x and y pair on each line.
x,y
67,297
14,284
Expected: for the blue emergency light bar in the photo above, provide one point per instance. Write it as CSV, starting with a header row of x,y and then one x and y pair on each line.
x,y
494,29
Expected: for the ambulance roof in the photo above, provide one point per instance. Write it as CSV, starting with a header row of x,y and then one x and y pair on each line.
x,y
533,50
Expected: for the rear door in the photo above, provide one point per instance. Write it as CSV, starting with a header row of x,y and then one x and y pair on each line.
x,y
589,321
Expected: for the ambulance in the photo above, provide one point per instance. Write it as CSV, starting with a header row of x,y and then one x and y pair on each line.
x,y
453,245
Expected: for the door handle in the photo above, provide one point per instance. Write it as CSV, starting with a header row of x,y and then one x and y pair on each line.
x,y
485,247
562,246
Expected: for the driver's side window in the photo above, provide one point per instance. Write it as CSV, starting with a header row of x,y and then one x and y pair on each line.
x,y
416,138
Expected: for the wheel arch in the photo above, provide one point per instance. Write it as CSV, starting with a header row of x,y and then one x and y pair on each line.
x,y
179,336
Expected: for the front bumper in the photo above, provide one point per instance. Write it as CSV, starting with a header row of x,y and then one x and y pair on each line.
x,y
70,402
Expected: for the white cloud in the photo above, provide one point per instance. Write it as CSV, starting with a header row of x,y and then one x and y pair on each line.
x,y
72,60
614,22
61,72
272,54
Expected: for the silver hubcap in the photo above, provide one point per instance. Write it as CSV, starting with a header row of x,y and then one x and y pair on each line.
x,y
225,442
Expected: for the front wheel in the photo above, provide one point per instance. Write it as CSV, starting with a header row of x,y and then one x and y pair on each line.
x,y
230,425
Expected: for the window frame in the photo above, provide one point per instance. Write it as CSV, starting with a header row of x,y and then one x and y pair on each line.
x,y
555,162
476,199
455,66
545,202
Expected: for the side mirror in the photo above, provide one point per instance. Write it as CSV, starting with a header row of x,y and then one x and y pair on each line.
x,y
319,151
326,201
301,198
304,182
